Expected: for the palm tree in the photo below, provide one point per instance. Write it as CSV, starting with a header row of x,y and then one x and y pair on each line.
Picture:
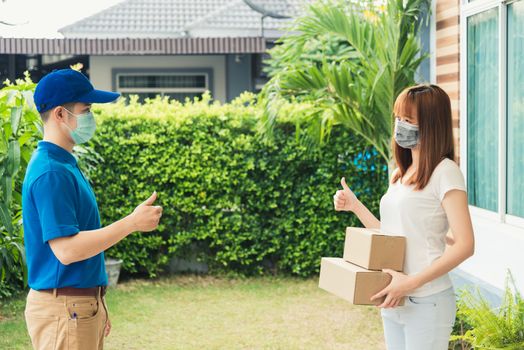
x,y
379,56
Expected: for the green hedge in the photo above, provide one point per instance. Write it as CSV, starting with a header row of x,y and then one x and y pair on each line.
x,y
241,204
20,128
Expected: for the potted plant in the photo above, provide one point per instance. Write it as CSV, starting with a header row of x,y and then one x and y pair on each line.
x,y
113,267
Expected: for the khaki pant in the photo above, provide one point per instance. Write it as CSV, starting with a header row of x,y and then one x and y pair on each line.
x,y
52,324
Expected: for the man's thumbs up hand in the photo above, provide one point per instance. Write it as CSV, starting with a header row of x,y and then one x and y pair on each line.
x,y
146,216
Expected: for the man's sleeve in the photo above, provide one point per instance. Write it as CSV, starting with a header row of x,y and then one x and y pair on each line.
x,y
55,197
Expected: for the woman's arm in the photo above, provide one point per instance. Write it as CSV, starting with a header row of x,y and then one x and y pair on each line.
x,y
455,204
345,200
365,216
462,245
449,238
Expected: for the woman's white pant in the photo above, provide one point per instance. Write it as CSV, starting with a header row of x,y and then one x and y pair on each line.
x,y
423,323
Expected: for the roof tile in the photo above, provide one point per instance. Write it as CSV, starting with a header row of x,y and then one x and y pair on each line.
x,y
176,18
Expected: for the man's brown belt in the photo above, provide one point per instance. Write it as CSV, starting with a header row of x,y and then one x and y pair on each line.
x,y
77,292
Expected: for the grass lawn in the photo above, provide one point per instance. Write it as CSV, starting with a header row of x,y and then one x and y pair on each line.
x,y
190,312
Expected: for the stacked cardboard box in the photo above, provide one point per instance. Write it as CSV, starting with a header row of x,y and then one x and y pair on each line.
x,y
358,275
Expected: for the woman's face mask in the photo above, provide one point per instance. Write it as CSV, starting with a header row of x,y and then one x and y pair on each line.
x,y
85,127
406,134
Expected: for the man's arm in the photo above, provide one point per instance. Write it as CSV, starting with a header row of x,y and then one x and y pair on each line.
x,y
87,244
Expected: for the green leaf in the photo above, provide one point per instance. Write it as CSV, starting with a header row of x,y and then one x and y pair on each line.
x,y
29,100
7,188
25,137
13,158
16,114
5,218
39,127
11,95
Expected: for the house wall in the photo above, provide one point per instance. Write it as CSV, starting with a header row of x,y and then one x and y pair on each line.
x,y
448,58
100,68
498,246
239,75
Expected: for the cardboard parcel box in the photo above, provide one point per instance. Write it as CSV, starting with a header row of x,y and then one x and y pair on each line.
x,y
373,250
351,282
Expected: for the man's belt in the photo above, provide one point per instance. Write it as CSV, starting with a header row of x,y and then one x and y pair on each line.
x,y
77,292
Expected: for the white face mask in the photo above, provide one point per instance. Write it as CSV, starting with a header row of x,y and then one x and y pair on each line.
x,y
406,134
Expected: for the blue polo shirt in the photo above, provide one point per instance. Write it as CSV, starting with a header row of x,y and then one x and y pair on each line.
x,y
57,201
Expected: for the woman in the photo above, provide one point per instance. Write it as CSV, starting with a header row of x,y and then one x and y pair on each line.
x,y
426,197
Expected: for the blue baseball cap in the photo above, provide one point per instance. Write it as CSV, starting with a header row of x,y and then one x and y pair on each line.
x,y
65,86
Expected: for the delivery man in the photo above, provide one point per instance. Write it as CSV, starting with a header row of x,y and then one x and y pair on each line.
x,y
64,240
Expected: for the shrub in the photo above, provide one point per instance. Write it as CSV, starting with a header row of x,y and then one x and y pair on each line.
x,y
20,128
457,341
492,328
238,203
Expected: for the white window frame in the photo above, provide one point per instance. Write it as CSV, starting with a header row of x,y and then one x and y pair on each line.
x,y
468,9
161,91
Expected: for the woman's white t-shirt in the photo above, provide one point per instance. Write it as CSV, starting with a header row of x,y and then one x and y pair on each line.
x,y
419,216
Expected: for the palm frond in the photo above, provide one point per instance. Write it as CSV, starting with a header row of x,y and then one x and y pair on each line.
x,y
380,54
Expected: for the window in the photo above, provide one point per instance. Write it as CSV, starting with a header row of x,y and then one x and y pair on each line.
x,y
176,85
492,73
482,121
515,109
492,77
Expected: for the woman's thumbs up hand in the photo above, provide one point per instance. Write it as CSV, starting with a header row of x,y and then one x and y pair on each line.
x,y
345,199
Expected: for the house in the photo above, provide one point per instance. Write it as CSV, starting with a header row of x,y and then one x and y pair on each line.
x,y
476,50
176,48
180,48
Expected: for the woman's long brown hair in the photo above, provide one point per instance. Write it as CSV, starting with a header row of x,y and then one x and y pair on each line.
x,y
433,110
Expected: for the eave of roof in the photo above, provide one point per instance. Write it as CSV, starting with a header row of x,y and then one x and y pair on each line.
x,y
133,46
